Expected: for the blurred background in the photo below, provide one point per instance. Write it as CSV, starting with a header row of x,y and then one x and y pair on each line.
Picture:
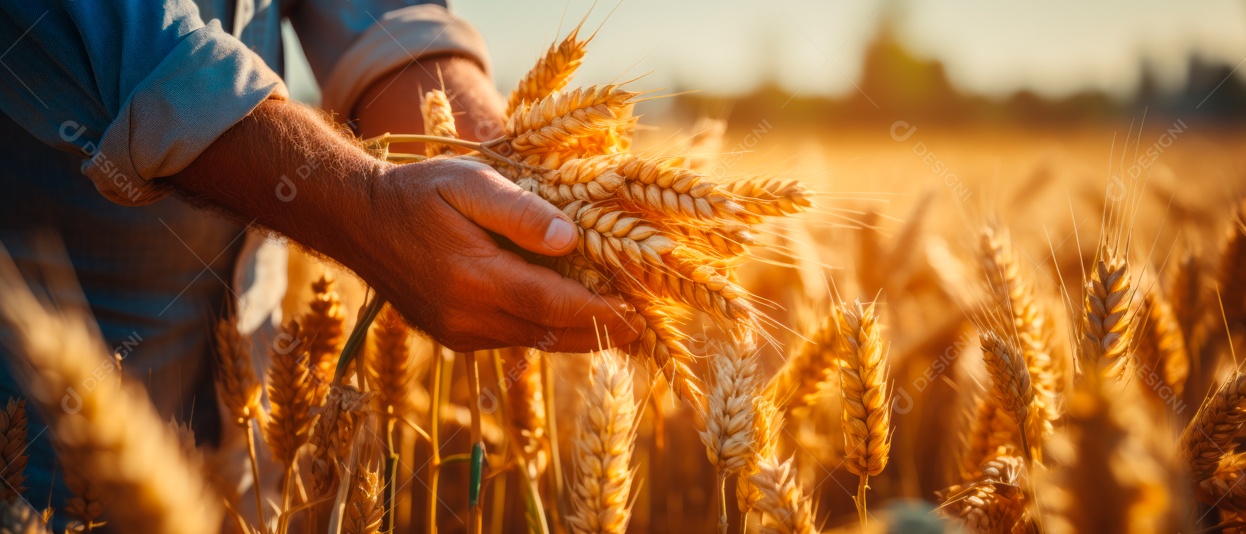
x,y
915,122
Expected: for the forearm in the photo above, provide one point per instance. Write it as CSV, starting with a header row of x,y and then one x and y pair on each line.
x,y
392,104
285,167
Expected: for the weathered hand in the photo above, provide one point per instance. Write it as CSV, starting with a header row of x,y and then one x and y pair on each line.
x,y
425,247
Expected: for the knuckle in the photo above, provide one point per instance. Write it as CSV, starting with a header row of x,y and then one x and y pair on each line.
x,y
529,213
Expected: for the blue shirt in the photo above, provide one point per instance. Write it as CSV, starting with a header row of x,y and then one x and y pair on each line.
x,y
128,92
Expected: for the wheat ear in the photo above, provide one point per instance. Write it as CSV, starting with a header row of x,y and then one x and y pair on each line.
x,y
525,405
438,121
364,508
110,432
291,397
1106,320
866,402
551,73
603,449
730,420
807,370
1161,349
1011,387
322,330
994,503
784,506
1029,321
1212,431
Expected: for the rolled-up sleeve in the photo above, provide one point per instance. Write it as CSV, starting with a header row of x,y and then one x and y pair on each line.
x,y
350,45
139,89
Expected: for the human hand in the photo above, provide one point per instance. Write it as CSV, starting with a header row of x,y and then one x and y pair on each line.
x,y
423,242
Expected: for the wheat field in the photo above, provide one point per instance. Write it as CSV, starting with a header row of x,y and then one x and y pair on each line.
x,y
872,327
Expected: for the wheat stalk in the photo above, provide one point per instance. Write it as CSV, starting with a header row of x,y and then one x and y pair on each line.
x,y
13,449
603,449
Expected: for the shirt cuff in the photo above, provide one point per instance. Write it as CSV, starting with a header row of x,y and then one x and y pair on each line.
x,y
400,37
204,86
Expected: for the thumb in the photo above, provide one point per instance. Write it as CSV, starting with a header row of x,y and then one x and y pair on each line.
x,y
502,207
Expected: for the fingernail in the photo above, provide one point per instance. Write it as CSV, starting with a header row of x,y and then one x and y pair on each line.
x,y
621,305
560,234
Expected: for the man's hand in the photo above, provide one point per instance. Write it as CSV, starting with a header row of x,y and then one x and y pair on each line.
x,y
456,282
415,232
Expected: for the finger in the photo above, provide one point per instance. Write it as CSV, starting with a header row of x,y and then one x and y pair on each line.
x,y
544,297
502,207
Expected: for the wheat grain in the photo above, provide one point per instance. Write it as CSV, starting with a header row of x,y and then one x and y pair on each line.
x,y
439,121
785,508
603,450
13,449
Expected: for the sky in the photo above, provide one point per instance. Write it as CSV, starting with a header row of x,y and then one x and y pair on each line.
x,y
815,47
994,47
